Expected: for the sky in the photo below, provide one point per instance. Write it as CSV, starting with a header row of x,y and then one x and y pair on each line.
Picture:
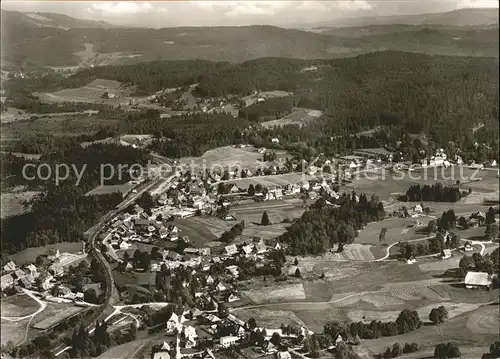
x,y
237,12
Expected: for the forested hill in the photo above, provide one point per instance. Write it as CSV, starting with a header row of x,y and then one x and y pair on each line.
x,y
54,40
442,96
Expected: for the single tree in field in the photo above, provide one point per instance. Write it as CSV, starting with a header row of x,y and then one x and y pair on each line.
x,y
438,315
382,234
466,263
252,323
432,227
265,219
491,232
397,350
296,262
490,216
251,190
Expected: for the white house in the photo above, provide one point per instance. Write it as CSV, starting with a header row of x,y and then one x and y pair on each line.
x,y
173,322
9,267
468,247
339,339
247,250
446,253
477,280
283,355
221,287
417,209
231,250
228,341
411,260
232,298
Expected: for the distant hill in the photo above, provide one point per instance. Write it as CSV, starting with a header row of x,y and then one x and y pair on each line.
x,y
460,17
47,19
432,40
36,40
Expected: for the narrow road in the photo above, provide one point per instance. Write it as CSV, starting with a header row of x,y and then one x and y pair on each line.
x,y
92,233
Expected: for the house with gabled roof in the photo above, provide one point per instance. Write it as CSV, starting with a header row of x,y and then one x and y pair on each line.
x,y
9,267
210,280
446,253
32,270
220,287
478,280
231,250
283,355
260,247
7,281
232,298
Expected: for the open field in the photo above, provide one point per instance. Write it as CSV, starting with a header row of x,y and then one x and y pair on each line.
x,y
18,306
387,186
124,189
455,329
13,331
28,255
53,314
439,265
276,293
13,202
299,116
485,320
89,93
467,352
222,157
398,229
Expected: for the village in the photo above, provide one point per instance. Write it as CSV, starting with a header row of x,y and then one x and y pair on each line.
x,y
145,242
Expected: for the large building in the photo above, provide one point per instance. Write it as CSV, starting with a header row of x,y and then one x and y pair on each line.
x,y
477,280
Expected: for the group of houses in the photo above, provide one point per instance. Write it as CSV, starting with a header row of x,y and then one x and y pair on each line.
x,y
43,276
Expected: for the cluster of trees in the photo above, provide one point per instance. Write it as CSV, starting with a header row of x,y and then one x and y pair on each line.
x,y
438,315
269,156
436,193
480,263
372,100
407,321
448,220
43,343
398,350
433,245
141,260
60,215
446,350
235,231
322,225
494,351
179,286
44,144
187,135
84,345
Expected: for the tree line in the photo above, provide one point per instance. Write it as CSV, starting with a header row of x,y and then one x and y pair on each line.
x,y
435,193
